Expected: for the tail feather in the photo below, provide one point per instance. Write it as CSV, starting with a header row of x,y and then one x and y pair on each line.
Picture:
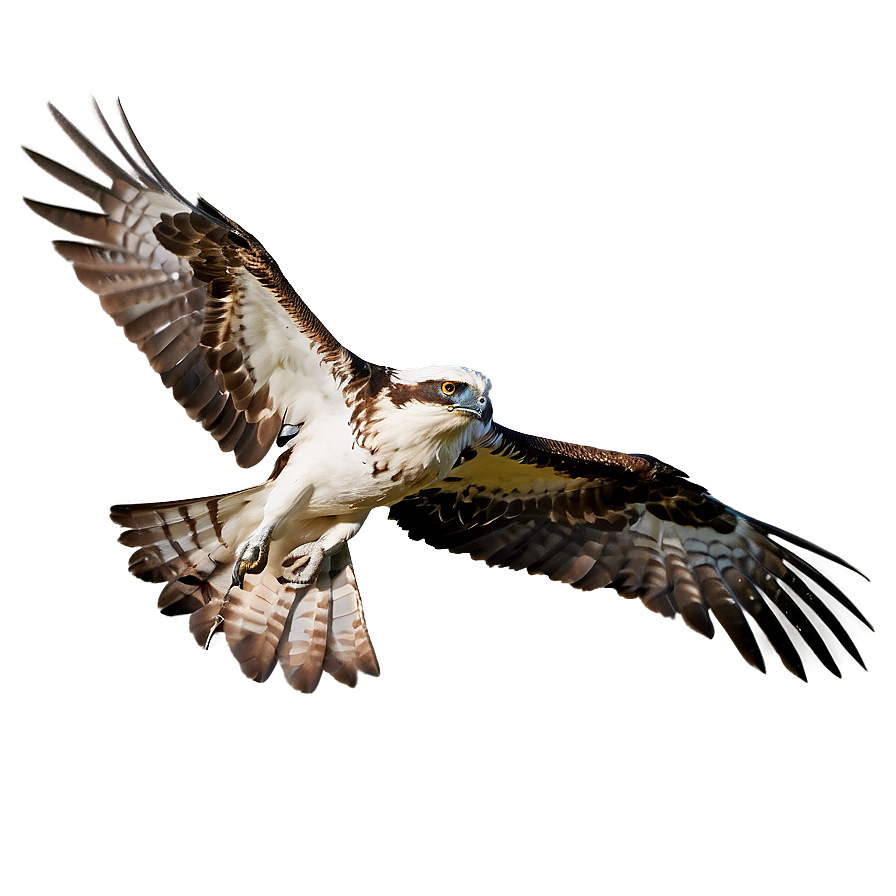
x,y
191,545
304,644
349,650
254,622
191,590
184,540
190,517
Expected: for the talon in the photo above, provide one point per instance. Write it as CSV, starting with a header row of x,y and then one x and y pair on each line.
x,y
218,622
252,558
240,571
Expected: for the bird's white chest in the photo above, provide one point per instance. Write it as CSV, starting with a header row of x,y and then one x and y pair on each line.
x,y
329,473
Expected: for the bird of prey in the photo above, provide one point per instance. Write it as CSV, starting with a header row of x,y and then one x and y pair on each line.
x,y
269,566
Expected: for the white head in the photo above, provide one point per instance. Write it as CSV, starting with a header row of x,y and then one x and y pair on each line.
x,y
448,397
430,414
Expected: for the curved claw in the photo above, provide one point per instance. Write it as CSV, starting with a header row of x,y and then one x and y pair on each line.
x,y
241,569
218,621
252,557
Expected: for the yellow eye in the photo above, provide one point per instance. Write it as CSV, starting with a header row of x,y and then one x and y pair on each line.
x,y
448,388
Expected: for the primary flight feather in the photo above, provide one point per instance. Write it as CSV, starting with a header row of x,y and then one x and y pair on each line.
x,y
269,567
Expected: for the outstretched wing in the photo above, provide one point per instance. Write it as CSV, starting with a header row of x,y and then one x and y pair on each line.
x,y
596,519
201,298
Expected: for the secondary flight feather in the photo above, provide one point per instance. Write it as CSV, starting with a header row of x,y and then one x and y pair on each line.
x,y
269,567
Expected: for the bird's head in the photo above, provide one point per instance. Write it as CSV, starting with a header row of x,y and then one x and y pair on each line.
x,y
422,420
446,398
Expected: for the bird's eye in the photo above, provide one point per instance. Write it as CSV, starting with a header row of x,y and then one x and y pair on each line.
x,y
449,388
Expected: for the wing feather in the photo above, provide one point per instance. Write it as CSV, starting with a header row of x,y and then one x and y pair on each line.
x,y
596,519
200,297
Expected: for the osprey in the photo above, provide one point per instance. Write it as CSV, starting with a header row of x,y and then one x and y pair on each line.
x,y
270,566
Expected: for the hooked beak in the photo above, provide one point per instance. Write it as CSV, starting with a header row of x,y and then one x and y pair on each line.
x,y
478,407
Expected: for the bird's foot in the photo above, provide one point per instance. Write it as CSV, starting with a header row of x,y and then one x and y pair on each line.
x,y
252,556
308,559
313,555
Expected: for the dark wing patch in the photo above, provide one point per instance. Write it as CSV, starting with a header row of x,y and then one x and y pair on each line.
x,y
200,297
601,519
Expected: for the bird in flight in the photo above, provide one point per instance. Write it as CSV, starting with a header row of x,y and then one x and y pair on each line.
x,y
269,567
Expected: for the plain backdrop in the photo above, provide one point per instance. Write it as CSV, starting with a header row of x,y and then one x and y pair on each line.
x,y
659,227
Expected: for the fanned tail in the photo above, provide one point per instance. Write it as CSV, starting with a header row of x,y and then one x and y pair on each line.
x,y
188,544
327,631
191,545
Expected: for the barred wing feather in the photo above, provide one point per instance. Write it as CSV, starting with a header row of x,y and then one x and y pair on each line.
x,y
200,297
596,519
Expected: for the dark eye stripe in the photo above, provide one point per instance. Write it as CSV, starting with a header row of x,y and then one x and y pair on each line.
x,y
428,390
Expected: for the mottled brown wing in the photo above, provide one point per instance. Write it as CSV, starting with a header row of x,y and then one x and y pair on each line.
x,y
597,519
201,298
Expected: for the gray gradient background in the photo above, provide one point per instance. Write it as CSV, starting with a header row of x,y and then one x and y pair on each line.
x,y
662,230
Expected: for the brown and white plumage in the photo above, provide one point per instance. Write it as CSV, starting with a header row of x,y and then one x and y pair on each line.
x,y
200,297
270,567
601,519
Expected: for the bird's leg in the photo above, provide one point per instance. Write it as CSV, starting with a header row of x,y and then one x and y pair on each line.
x,y
313,553
252,556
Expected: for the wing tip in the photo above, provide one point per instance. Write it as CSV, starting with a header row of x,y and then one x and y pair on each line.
x,y
45,209
121,514
62,120
800,674
799,542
